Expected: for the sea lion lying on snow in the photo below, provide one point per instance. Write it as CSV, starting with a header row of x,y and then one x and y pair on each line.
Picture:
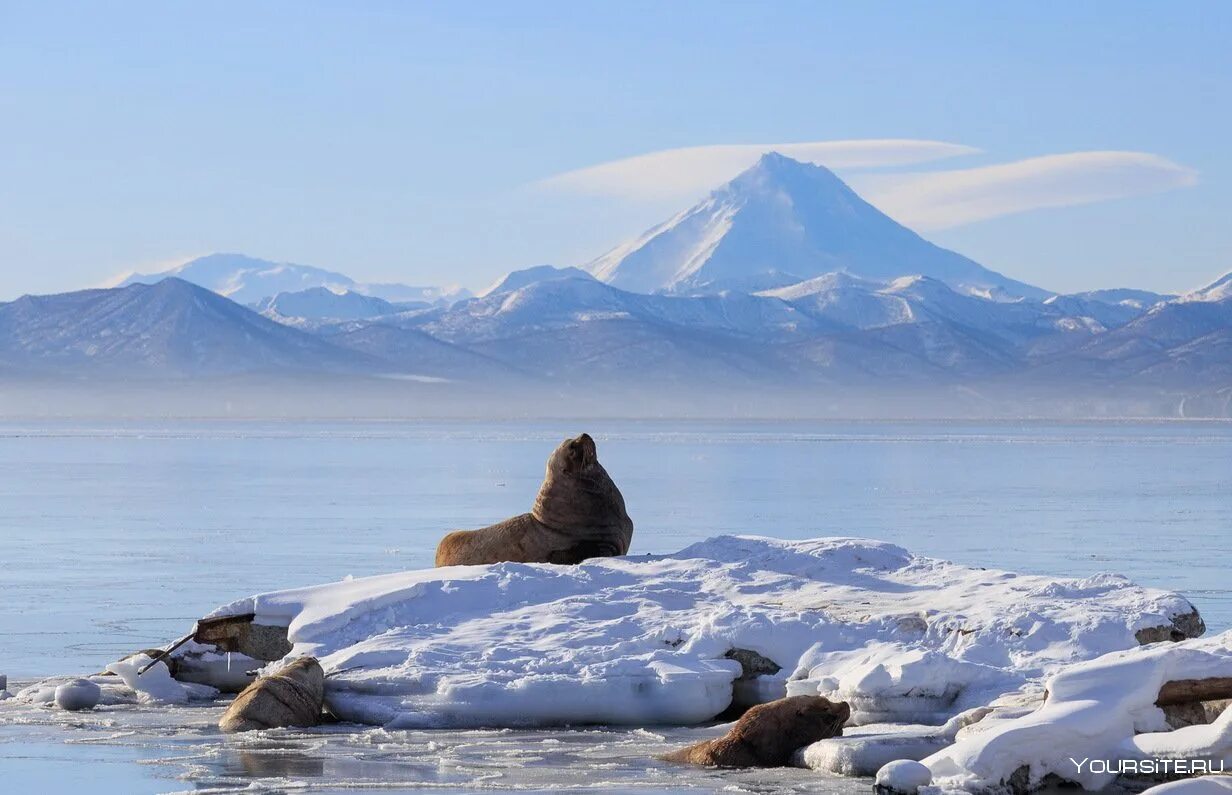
x,y
769,734
578,514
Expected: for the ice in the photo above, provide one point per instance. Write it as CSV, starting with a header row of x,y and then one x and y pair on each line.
x,y
1102,709
864,750
642,640
1202,785
155,685
78,694
904,775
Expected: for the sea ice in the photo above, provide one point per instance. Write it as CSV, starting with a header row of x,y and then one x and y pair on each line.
x,y
644,640
78,694
1098,716
1202,785
156,684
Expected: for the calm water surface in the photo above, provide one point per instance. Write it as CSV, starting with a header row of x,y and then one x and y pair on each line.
x,y
115,537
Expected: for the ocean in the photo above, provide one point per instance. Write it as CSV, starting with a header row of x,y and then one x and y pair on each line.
x,y
115,536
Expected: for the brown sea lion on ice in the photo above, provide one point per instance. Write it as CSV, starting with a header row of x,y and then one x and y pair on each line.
x,y
769,734
290,697
578,514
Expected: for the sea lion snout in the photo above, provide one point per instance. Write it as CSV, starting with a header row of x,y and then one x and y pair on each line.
x,y
574,456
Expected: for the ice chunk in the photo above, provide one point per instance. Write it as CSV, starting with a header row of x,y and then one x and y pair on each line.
x,y
1102,710
156,684
1202,785
905,776
645,640
78,694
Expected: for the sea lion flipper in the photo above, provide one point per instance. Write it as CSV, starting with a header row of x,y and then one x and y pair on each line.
x,y
584,550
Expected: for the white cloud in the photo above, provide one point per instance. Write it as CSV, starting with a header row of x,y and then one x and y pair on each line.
x,y
943,199
691,172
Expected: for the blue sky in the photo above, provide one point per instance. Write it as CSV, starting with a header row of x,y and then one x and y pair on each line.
x,y
418,142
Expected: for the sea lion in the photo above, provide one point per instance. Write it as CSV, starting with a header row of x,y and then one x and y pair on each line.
x,y
769,734
291,697
578,514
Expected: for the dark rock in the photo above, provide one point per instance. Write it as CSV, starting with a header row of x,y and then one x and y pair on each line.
x,y
1183,626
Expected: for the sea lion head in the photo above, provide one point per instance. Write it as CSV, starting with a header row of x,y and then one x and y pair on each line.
x,y
574,456
579,499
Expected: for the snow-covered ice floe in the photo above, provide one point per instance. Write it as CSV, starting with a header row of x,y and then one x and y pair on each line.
x,y
1099,722
653,639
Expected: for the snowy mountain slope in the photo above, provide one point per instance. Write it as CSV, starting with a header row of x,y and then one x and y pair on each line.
x,y
779,223
866,304
247,280
1108,315
847,300
1183,341
638,355
416,354
322,303
570,303
515,280
1219,290
172,328
1124,296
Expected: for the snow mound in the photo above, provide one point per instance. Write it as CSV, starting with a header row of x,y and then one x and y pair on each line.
x,y
645,640
1203,785
1101,713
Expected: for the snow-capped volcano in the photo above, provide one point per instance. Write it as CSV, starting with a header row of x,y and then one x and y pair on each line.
x,y
782,222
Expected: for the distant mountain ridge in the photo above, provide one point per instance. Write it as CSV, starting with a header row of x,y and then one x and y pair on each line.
x,y
247,280
518,279
783,282
835,331
169,329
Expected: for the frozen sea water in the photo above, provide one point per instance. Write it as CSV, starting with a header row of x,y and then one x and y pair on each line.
x,y
116,536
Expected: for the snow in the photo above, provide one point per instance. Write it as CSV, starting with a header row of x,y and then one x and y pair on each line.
x,y
1202,785
1218,290
246,280
864,750
904,776
156,684
642,640
78,694
1102,709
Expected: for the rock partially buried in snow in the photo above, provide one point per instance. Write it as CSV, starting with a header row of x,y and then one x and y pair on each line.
x,y
290,697
78,694
1181,627
904,777
769,734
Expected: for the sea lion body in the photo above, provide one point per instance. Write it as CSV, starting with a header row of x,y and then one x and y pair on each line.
x,y
291,697
578,514
768,734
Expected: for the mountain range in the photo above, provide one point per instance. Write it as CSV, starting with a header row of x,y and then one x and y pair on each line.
x,y
782,282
